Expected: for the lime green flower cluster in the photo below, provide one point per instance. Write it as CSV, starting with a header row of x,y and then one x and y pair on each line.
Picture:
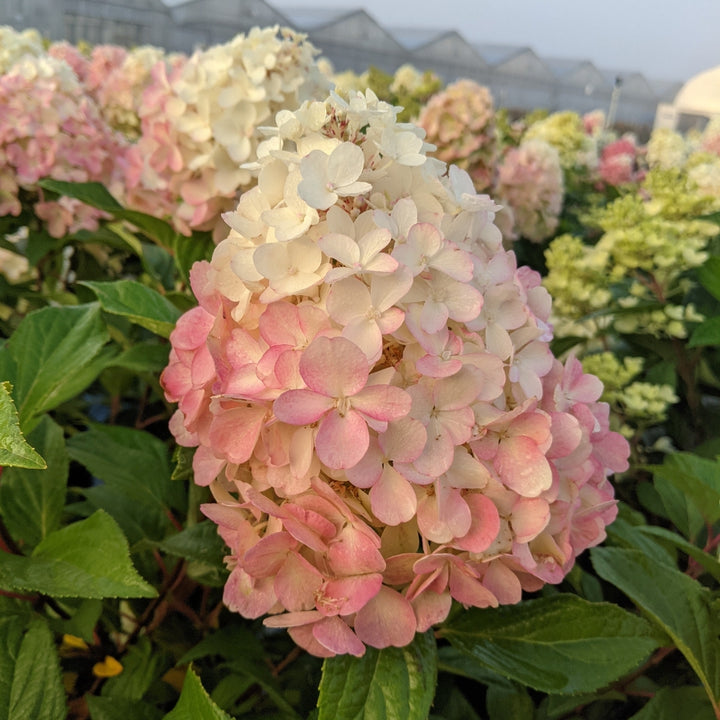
x,y
650,239
566,133
634,404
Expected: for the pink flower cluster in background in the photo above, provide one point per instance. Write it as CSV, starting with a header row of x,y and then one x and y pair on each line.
x,y
368,382
460,122
618,162
200,118
530,184
50,128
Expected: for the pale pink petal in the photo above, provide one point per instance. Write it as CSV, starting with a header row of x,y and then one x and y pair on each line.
x,y
206,466
522,467
382,402
334,366
342,440
387,620
354,552
235,432
529,518
431,608
468,590
484,526
348,300
503,583
392,498
334,634
247,596
404,439
267,556
296,583
301,407
347,595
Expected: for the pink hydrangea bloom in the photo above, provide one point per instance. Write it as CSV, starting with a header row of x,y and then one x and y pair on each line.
x,y
618,162
379,417
460,122
49,127
530,183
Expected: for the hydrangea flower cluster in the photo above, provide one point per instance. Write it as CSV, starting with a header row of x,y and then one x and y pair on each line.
x,y
16,44
115,78
460,122
200,120
50,128
368,382
565,131
619,162
649,240
530,182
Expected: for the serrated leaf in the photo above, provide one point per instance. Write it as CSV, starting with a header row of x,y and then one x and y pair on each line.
x,y
140,304
683,609
198,542
32,501
393,683
37,691
83,621
706,333
14,616
195,703
232,642
134,468
88,559
54,351
671,703
102,708
561,644
15,451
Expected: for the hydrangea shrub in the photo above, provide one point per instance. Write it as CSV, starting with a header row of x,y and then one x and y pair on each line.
x,y
368,381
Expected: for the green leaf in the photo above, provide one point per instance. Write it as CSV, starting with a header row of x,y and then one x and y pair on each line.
x,y
37,691
697,478
671,703
624,534
14,616
142,358
195,703
32,501
200,544
83,621
707,561
679,508
97,195
137,492
509,702
54,351
682,609
706,333
88,559
140,304
709,276
91,193
14,449
102,708
394,683
189,250
560,644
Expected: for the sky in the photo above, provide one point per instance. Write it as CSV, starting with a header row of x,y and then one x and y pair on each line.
x,y
663,39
